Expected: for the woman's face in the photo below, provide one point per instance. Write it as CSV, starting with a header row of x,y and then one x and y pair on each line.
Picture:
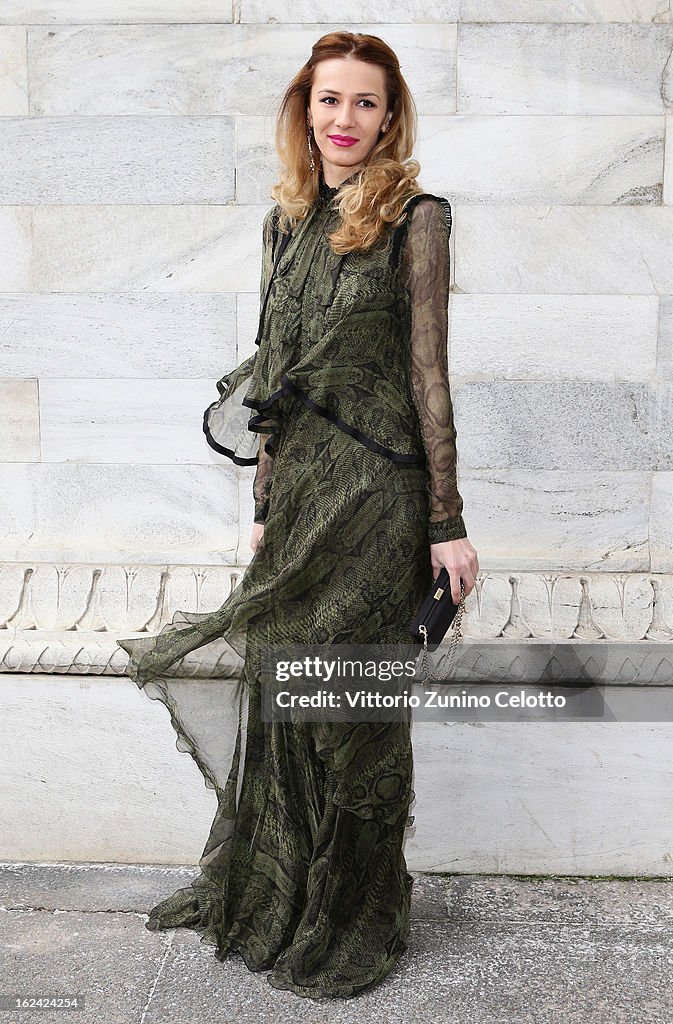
x,y
336,109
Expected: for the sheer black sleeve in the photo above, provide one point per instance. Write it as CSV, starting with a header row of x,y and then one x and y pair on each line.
x,y
263,475
425,267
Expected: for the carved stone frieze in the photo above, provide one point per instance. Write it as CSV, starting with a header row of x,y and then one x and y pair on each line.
x,y
66,617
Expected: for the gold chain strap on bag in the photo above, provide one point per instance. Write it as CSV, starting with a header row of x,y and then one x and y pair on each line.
x,y
453,643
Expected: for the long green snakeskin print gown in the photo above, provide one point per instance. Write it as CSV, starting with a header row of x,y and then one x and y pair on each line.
x,y
303,873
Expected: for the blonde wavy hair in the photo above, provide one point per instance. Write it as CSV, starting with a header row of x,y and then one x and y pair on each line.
x,y
375,199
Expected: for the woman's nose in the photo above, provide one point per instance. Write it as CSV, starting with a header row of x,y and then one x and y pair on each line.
x,y
344,119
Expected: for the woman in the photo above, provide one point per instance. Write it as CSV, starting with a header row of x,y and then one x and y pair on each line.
x,y
356,511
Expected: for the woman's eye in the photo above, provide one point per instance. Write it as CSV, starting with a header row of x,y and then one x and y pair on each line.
x,y
325,98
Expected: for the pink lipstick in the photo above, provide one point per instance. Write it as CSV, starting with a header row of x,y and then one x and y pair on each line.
x,y
342,140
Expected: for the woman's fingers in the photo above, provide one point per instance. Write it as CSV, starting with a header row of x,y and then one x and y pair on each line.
x,y
460,560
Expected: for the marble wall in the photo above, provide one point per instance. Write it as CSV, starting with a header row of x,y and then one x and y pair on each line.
x,y
495,797
136,158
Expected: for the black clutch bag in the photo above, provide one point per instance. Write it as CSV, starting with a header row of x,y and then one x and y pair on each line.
x,y
437,612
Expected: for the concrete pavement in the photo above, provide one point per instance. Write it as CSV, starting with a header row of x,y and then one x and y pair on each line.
x,y
483,950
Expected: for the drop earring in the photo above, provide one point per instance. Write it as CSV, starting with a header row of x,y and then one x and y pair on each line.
x,y
310,147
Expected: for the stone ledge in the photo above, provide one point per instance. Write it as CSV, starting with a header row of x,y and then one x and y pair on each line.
x,y
57,618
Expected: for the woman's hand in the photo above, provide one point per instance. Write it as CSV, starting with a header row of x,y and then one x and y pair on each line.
x,y
257,537
460,560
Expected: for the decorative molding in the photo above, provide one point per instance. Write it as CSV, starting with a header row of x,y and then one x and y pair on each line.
x,y
65,617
